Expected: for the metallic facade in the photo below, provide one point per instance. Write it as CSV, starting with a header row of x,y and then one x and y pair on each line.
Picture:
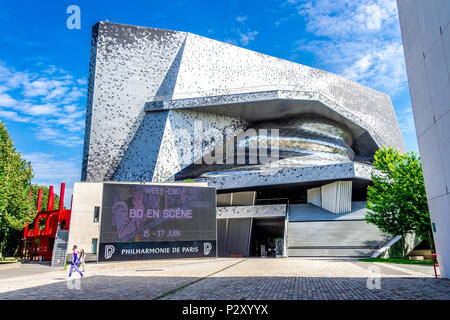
x,y
149,89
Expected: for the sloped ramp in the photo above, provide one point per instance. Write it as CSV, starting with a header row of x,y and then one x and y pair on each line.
x,y
315,232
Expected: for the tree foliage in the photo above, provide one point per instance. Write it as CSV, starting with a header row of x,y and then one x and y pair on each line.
x,y
44,202
397,202
15,177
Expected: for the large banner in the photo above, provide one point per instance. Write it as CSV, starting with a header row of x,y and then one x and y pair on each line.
x,y
157,221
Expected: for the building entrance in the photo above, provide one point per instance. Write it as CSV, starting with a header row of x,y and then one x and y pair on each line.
x,y
267,237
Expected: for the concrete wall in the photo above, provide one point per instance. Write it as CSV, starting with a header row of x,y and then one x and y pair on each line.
x,y
339,171
425,27
334,238
394,249
313,196
245,198
86,196
261,211
224,199
238,234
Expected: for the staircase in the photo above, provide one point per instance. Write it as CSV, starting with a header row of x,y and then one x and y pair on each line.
x,y
315,232
60,248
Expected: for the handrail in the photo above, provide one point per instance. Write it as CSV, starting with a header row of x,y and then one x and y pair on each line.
x,y
435,264
273,199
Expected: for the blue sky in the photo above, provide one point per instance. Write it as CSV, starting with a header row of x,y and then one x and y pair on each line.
x,y
44,65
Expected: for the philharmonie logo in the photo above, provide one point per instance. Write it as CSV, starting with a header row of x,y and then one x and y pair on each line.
x,y
109,250
207,248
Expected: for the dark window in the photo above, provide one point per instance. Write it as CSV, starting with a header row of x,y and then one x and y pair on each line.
x,y
51,242
96,214
63,224
94,246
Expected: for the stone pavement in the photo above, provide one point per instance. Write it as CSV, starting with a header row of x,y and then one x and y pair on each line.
x,y
22,269
233,278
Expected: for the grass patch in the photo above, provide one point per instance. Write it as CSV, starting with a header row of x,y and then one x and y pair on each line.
x,y
400,261
8,260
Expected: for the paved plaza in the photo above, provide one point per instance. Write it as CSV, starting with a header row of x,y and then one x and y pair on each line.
x,y
229,278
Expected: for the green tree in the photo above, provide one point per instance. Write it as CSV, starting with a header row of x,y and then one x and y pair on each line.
x,y
15,177
14,237
397,202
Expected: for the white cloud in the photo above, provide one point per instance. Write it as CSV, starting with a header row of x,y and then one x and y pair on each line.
x,y
82,81
283,19
231,41
70,108
48,170
17,79
241,19
373,17
343,18
245,38
51,69
56,136
7,101
48,133
44,86
49,99
36,88
58,92
359,40
406,121
42,109
13,116
73,95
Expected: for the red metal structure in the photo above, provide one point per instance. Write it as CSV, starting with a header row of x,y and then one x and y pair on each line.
x,y
435,264
38,242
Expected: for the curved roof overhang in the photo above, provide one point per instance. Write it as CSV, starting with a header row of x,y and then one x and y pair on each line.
x,y
275,104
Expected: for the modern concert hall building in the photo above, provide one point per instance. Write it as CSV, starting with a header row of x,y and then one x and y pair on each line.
x,y
287,147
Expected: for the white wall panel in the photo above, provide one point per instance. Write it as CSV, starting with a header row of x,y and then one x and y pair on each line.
x,y
337,196
313,196
425,31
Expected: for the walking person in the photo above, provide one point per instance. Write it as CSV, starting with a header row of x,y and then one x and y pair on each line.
x,y
75,260
81,260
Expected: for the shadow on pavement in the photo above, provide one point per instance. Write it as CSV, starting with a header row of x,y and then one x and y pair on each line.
x,y
236,288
